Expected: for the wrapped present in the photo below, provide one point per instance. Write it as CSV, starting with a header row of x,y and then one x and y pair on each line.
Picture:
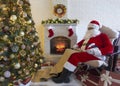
x,y
91,78
108,78
88,77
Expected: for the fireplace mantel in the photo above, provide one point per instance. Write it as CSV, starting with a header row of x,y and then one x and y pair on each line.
x,y
73,24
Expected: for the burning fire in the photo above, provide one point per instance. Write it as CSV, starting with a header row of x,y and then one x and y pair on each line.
x,y
60,47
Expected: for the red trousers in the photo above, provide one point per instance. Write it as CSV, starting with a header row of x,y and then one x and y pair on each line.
x,y
76,58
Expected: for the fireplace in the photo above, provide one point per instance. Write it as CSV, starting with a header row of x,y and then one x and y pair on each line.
x,y
59,44
55,46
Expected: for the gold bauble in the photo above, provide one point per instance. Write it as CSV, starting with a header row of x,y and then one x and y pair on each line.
x,y
13,17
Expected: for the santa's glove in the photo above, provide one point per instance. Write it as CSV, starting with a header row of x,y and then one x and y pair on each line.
x,y
94,51
70,30
50,30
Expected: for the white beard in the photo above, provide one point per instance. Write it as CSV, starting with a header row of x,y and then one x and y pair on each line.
x,y
91,33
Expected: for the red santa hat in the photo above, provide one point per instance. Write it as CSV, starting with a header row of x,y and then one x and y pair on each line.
x,y
94,24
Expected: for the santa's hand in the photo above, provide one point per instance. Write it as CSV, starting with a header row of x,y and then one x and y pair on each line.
x,y
94,51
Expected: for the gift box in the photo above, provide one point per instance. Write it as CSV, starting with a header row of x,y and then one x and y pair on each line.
x,y
87,77
108,78
94,78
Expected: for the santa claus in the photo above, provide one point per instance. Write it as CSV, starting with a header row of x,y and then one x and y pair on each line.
x,y
94,46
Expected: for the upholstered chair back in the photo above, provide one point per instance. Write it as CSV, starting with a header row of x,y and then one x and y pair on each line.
x,y
111,33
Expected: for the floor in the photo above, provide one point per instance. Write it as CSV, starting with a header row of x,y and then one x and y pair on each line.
x,y
74,82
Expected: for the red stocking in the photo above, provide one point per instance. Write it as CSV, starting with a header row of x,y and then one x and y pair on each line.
x,y
70,31
50,30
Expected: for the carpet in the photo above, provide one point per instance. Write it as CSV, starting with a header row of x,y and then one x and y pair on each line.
x,y
74,82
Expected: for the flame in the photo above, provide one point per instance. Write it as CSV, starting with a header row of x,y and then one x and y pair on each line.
x,y
60,46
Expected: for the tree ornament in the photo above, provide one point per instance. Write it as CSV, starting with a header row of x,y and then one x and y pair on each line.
x,y
50,30
22,33
27,72
70,30
5,37
35,43
1,52
4,9
1,19
23,64
33,53
5,58
36,65
18,39
6,28
22,52
5,48
2,79
14,48
12,56
17,66
23,46
20,72
28,59
7,74
41,60
28,47
29,21
24,14
13,17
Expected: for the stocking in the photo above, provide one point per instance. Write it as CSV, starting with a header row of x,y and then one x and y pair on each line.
x,y
70,31
50,30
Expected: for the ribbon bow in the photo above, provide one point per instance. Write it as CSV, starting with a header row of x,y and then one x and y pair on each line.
x,y
108,79
84,78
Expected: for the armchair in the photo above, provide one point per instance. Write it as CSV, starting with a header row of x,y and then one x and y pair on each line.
x,y
100,73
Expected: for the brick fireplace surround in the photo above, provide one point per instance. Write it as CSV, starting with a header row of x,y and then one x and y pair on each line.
x,y
61,32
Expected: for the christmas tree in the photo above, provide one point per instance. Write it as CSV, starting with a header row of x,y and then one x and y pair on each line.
x,y
20,51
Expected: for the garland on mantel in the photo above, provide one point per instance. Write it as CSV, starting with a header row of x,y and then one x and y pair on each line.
x,y
60,21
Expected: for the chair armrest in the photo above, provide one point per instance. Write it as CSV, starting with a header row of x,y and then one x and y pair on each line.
x,y
112,59
115,53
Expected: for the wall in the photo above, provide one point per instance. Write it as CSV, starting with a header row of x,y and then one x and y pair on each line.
x,y
106,11
41,9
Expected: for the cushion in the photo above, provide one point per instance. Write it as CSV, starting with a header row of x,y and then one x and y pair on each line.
x,y
112,34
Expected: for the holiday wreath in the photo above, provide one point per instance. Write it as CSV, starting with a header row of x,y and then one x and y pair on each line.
x,y
59,10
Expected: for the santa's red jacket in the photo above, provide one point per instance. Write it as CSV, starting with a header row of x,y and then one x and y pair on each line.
x,y
100,44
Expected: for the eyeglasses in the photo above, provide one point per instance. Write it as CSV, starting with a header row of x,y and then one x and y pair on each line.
x,y
90,28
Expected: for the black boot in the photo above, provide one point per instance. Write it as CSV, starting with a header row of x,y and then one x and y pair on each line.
x,y
64,77
56,75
